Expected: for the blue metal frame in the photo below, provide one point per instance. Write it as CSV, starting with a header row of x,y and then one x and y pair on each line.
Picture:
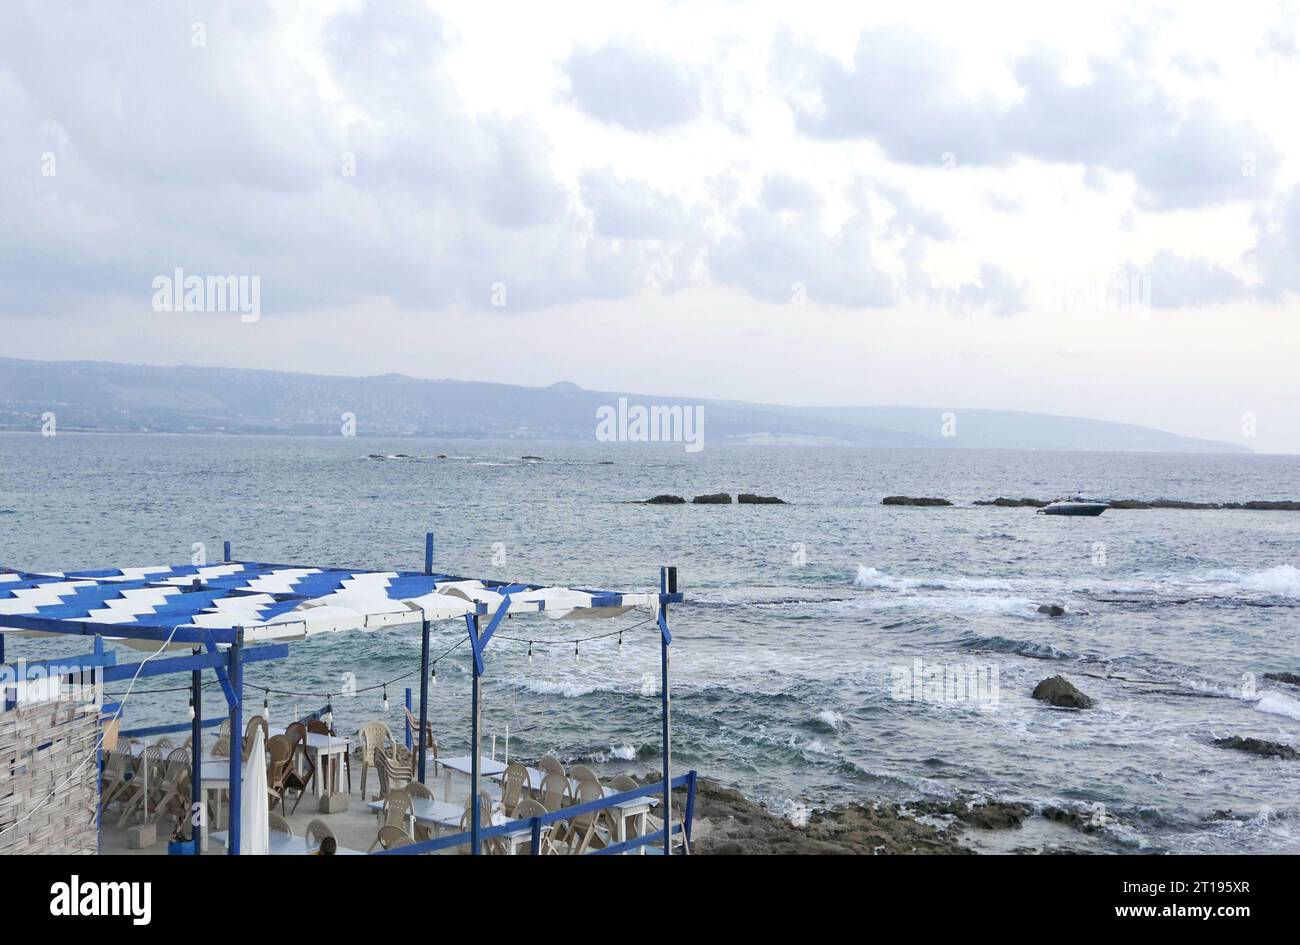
x,y
687,781
229,668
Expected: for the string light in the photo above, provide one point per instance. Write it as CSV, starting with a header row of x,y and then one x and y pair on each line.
x,y
575,652
266,707
433,674
191,708
530,652
328,715
385,698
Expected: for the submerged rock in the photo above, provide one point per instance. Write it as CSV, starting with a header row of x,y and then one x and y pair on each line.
x,y
912,500
666,500
1005,503
1052,610
1257,746
1060,692
1291,679
715,498
748,498
530,457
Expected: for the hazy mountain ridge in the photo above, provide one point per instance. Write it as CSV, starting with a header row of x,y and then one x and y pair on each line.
x,y
101,396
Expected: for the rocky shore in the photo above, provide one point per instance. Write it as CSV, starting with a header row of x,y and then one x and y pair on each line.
x,y
1258,505
728,823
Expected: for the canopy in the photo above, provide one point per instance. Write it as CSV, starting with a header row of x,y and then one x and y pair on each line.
x,y
269,601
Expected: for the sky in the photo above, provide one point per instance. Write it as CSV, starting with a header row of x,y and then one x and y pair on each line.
x,y
1091,211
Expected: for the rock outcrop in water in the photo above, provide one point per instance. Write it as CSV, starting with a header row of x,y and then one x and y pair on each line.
x,y
1060,692
1005,503
666,500
748,498
912,500
1052,610
1257,746
715,498
1291,679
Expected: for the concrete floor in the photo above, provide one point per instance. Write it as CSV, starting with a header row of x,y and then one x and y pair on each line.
x,y
354,828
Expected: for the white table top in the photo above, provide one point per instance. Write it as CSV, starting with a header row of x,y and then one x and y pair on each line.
x,y
487,767
426,811
279,844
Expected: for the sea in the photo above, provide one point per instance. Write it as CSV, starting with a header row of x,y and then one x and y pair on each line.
x,y
830,650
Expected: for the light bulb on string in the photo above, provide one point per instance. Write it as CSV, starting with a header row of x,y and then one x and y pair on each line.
x,y
385,697
266,708
530,652
328,715
191,708
433,674
575,652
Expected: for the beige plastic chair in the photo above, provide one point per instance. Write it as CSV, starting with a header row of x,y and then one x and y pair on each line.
x,y
174,799
256,721
417,790
374,737
114,780
494,846
550,763
530,808
317,831
584,830
515,786
393,774
556,791
390,837
623,782
582,773
278,824
397,809
430,743
221,748
145,783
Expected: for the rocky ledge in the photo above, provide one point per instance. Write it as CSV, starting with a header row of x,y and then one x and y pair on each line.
x,y
1060,692
1257,746
913,500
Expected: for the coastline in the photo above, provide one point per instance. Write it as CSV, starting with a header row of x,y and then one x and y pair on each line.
x,y
727,823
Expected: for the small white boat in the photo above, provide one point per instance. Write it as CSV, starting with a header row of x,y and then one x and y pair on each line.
x,y
1077,505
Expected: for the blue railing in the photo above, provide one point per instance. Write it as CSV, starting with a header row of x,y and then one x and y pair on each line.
x,y
535,824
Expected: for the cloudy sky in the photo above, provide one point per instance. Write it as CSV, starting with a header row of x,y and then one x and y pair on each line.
x,y
949,205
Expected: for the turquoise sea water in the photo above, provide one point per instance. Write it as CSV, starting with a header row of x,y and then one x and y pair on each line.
x,y
801,619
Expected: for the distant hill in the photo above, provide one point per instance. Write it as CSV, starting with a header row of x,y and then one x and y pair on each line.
x,y
89,395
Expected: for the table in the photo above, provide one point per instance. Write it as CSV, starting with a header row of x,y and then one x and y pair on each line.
x,y
328,747
438,814
281,844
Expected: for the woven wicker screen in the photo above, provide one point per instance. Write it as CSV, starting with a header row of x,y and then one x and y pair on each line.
x,y
48,778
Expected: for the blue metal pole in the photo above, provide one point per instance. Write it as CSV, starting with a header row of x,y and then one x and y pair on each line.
x,y
196,758
409,705
473,753
97,676
428,552
226,550
424,696
236,740
664,658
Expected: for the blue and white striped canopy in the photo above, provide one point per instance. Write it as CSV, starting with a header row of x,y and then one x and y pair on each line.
x,y
269,601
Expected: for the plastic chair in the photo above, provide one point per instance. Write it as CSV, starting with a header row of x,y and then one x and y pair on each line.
x,y
278,824
550,763
389,837
515,785
582,773
317,831
278,766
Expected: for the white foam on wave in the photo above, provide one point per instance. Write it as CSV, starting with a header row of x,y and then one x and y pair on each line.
x,y
1275,703
623,752
873,578
1280,581
548,687
830,718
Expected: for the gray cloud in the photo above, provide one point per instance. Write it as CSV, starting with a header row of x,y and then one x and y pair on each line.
x,y
223,158
902,92
623,83
1188,282
996,291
